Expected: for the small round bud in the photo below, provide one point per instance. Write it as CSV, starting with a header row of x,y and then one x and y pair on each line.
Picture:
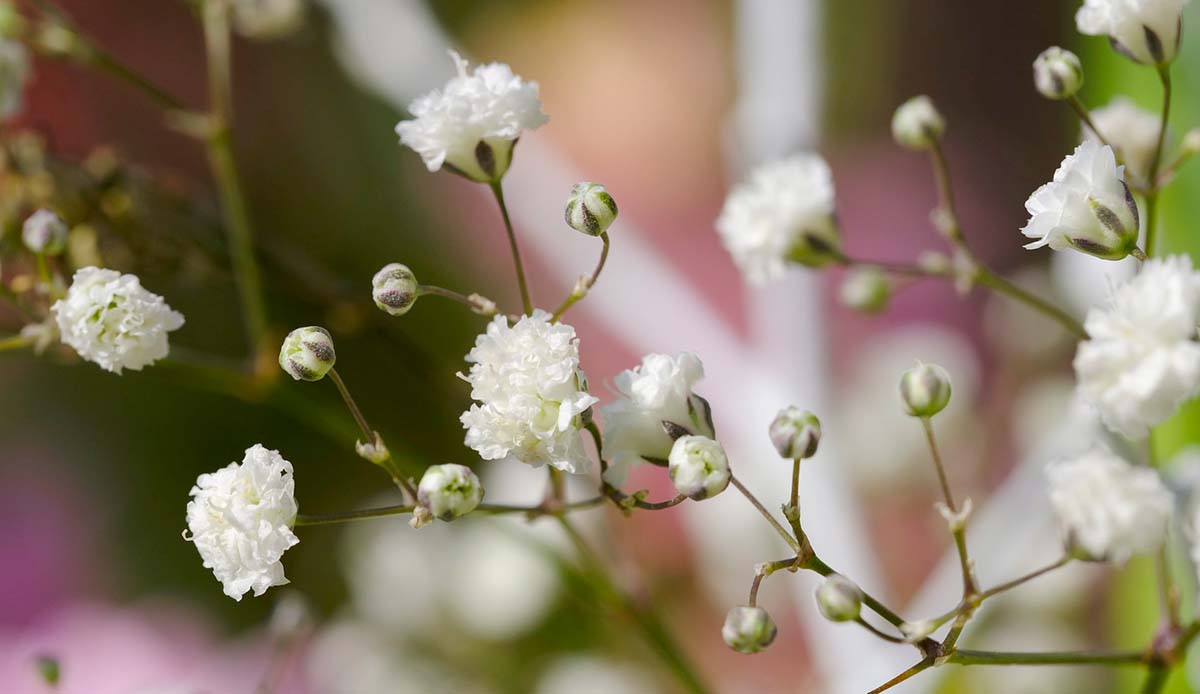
x,y
925,390
45,232
590,209
866,289
748,629
698,467
307,353
795,433
1191,141
839,599
1057,73
448,491
395,289
917,124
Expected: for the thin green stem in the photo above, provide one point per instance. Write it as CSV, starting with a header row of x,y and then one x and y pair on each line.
x,y
1156,679
477,304
15,342
108,63
904,676
957,528
1164,75
1009,585
526,301
764,570
352,405
581,290
875,630
349,516
969,657
1151,222
787,537
991,280
1086,118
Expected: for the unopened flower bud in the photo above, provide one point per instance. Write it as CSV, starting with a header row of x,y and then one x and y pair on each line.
x,y
375,451
925,390
839,599
449,491
748,629
45,232
866,289
698,467
795,433
590,209
1057,73
917,124
395,289
1191,141
307,353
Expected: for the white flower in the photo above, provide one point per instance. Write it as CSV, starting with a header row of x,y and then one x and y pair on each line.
x,y
45,232
783,213
1108,509
470,125
916,124
698,467
1087,206
14,72
1132,132
658,390
265,19
447,492
240,518
110,320
1145,30
1142,360
530,392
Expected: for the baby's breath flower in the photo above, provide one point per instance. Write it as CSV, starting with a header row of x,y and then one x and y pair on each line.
x,y
111,321
1146,31
240,519
1142,360
782,214
530,394
45,232
14,72
1132,131
866,289
307,354
698,467
447,492
916,124
472,123
1108,509
748,629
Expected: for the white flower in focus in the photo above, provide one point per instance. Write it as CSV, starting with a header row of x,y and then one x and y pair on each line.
x,y
14,72
471,124
657,390
240,518
1132,131
1108,509
698,467
781,214
530,392
1087,206
266,19
110,320
1142,360
1146,31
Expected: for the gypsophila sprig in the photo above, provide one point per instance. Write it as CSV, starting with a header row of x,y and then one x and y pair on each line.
x,y
45,232
748,630
1146,31
1086,207
917,124
240,519
472,123
395,289
783,213
1057,73
446,492
530,394
1141,360
111,321
1108,509
1132,132
307,354
14,72
698,467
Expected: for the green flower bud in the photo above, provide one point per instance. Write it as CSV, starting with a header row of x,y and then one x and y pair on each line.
x,y
748,629
1057,73
395,289
839,599
447,492
795,433
307,353
925,390
590,209
866,289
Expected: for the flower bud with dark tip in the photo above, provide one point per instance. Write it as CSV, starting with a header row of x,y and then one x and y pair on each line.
x,y
394,289
925,390
590,209
748,629
839,599
795,433
916,124
307,353
45,232
866,289
447,492
1057,73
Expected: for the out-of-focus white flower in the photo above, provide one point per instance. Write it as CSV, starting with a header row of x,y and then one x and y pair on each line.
x,y
266,19
111,321
1087,206
45,232
748,629
783,213
240,518
395,289
530,392
307,354
698,467
1108,509
916,124
865,289
1142,360
1131,130
353,657
447,492
657,390
472,123
14,72
1146,31
590,209
589,674
1057,73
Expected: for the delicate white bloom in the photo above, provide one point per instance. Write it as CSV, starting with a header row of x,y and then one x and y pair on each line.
x,y
395,289
471,124
307,354
590,209
1057,73
1144,30
1087,206
110,320
530,392
925,390
698,467
1142,360
865,289
264,19
656,391
1132,131
240,518
795,433
447,492
783,213
748,629
1108,509
839,599
916,124
45,232
14,72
